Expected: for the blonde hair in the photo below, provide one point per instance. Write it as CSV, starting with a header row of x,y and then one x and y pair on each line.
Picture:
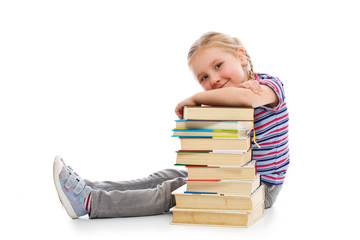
x,y
228,43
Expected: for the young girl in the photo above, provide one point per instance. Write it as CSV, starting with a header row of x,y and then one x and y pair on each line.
x,y
224,69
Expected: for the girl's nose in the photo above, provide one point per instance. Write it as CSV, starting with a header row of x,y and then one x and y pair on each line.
x,y
215,80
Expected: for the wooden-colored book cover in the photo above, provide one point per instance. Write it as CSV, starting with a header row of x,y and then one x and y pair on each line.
x,y
224,158
226,201
245,172
223,186
214,143
200,132
188,124
218,113
242,218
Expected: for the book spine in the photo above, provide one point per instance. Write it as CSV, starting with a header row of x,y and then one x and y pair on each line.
x,y
187,136
212,193
194,151
203,180
214,166
190,165
211,121
212,137
204,130
213,151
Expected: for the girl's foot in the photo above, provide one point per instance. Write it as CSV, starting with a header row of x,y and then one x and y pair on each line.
x,y
71,189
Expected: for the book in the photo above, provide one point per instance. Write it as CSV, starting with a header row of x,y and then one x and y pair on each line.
x,y
218,113
210,157
200,132
241,218
188,124
223,186
245,172
215,143
218,201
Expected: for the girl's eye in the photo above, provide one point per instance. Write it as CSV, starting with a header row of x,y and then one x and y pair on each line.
x,y
218,65
204,78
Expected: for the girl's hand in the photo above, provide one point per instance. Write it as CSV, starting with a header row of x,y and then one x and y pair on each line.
x,y
253,85
179,108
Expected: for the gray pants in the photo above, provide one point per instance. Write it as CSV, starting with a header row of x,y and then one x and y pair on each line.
x,y
146,196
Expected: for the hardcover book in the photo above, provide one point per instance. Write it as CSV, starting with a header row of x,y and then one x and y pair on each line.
x,y
215,143
218,113
211,157
226,201
246,172
200,132
241,218
204,124
223,186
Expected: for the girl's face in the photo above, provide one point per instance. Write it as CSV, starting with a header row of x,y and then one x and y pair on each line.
x,y
215,68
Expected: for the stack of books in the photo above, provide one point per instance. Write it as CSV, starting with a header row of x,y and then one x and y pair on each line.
x,y
222,186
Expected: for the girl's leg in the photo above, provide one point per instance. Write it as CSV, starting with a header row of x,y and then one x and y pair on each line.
x,y
152,181
152,195
148,199
147,196
271,193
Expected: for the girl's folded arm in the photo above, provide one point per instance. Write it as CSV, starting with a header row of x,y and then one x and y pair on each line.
x,y
232,96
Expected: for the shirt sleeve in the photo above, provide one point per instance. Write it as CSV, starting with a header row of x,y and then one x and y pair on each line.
x,y
277,86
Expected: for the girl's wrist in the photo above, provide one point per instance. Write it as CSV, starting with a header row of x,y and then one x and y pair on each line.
x,y
195,98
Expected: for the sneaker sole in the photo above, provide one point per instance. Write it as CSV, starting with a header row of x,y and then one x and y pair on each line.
x,y
57,168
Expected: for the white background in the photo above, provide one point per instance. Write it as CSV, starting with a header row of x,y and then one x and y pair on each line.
x,y
97,82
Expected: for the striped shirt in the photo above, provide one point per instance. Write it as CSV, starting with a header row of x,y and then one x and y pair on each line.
x,y
271,129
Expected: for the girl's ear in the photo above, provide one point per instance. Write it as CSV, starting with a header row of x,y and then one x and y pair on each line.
x,y
241,51
242,55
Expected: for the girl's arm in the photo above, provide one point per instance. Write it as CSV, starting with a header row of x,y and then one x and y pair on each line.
x,y
230,96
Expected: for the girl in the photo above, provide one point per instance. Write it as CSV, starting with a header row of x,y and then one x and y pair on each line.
x,y
224,69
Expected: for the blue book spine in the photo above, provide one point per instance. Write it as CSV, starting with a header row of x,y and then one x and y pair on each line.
x,y
201,192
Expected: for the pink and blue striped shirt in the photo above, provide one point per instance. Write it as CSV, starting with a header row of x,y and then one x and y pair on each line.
x,y
271,129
